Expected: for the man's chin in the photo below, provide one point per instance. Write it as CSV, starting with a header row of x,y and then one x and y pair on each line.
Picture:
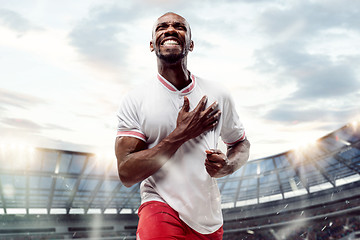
x,y
171,58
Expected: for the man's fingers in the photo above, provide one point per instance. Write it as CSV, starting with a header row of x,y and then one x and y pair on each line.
x,y
212,120
220,161
186,106
215,157
201,105
213,166
212,109
209,112
213,151
209,125
212,115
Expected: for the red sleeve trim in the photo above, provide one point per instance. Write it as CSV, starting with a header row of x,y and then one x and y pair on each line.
x,y
132,133
240,140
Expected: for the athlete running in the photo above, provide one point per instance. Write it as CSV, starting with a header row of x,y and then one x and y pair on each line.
x,y
167,138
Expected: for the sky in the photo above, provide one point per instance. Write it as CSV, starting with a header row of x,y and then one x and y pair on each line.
x,y
291,66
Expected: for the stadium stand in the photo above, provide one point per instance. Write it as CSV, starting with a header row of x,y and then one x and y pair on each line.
x,y
306,193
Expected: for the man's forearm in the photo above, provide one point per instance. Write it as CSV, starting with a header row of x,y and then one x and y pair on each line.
x,y
137,165
237,156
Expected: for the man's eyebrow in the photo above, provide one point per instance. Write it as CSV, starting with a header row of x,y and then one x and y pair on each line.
x,y
180,24
160,24
171,23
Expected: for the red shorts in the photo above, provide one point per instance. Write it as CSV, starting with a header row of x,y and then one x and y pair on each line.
x,y
158,221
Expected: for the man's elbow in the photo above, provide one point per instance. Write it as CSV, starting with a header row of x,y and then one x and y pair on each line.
x,y
127,184
247,149
247,144
126,181
124,177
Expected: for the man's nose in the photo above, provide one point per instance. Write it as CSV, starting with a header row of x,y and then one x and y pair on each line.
x,y
170,31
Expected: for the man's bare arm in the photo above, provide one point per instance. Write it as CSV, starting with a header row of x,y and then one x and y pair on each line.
x,y
136,162
218,164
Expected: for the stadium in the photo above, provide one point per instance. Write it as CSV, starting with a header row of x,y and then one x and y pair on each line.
x,y
309,192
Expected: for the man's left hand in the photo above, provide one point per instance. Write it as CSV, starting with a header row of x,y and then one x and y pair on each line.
x,y
215,162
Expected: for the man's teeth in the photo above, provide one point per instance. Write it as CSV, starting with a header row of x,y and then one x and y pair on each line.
x,y
170,42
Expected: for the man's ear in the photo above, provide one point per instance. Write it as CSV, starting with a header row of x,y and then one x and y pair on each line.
x,y
191,46
151,46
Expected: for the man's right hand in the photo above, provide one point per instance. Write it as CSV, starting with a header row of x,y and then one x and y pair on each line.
x,y
193,123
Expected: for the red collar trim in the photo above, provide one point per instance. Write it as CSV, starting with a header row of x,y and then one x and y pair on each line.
x,y
171,87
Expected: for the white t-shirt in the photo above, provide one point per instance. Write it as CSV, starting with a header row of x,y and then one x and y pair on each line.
x,y
149,113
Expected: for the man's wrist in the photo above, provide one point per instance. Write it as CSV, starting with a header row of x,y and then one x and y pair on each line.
x,y
177,137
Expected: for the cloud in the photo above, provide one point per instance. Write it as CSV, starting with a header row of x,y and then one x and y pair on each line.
x,y
16,22
281,56
215,24
102,37
317,76
19,100
306,19
293,53
52,126
12,135
328,82
99,42
29,125
23,124
296,112
290,29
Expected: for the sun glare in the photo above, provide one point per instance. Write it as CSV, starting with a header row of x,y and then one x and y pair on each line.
x,y
304,148
21,154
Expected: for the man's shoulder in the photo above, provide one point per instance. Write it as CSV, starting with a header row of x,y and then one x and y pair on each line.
x,y
212,86
140,89
136,93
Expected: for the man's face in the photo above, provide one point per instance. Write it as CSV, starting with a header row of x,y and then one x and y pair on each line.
x,y
171,38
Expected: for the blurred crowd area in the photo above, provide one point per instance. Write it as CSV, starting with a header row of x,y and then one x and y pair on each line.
x,y
333,220
335,228
300,213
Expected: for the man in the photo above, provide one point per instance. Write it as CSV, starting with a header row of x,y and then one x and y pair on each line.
x,y
167,136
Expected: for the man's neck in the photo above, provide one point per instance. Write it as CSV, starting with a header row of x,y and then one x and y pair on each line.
x,y
176,74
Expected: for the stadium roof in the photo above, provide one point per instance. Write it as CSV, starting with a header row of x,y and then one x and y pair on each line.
x,y
52,181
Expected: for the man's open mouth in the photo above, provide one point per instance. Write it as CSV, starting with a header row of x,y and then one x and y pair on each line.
x,y
170,42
